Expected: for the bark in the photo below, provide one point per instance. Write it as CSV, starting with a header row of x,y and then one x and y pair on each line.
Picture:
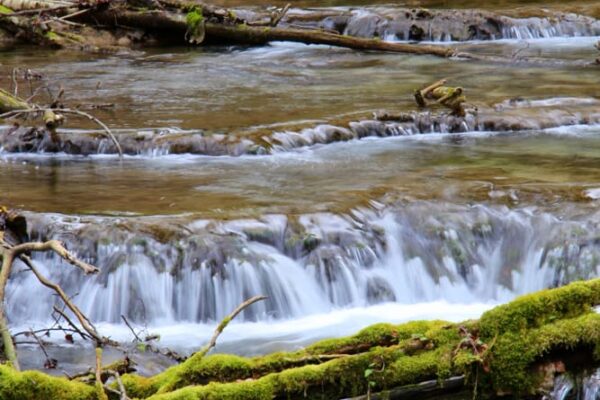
x,y
9,102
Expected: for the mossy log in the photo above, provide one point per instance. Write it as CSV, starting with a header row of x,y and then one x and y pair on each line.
x,y
511,341
9,102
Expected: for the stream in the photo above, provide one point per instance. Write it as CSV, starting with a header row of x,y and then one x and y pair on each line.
x,y
338,234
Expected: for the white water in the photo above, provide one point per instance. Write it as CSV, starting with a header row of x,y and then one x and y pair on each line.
x,y
588,389
324,262
251,338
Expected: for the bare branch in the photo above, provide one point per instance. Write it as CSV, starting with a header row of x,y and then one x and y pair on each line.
x,y
226,321
83,320
123,393
99,384
58,248
131,328
71,323
50,363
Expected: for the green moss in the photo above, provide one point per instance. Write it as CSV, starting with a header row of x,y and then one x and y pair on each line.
x,y
5,10
35,385
514,352
249,390
194,17
194,20
296,371
338,378
539,308
382,334
53,36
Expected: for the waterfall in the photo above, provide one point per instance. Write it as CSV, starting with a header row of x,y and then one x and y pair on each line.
x,y
402,24
162,271
587,389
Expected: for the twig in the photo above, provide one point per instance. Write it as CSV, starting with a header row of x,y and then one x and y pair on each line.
x,y
55,246
76,13
117,376
131,328
15,83
100,387
275,21
83,320
516,52
225,322
111,390
50,363
155,349
10,252
72,324
45,330
35,93
36,11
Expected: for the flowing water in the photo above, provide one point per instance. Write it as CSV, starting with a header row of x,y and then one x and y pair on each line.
x,y
338,235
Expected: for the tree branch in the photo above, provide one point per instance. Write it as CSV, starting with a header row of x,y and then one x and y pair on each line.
x,y
225,322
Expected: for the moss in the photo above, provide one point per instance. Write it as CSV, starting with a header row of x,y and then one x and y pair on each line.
x,y
193,19
249,390
539,308
514,353
410,370
341,377
375,335
397,339
53,36
5,10
34,385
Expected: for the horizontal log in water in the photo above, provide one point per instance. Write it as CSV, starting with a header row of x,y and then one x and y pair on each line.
x,y
175,23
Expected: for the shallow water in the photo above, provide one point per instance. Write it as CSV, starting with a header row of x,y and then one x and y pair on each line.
x,y
548,168
235,89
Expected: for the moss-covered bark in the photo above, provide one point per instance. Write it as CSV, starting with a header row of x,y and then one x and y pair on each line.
x,y
509,340
35,385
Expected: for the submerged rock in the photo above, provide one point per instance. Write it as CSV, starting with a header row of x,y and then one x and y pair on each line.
x,y
418,24
511,116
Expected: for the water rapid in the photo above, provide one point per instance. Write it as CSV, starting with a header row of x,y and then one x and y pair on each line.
x,y
198,271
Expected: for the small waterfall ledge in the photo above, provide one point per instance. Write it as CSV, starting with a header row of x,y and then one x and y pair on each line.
x,y
180,271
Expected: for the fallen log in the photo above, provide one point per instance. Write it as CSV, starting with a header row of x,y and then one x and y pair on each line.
x,y
175,23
